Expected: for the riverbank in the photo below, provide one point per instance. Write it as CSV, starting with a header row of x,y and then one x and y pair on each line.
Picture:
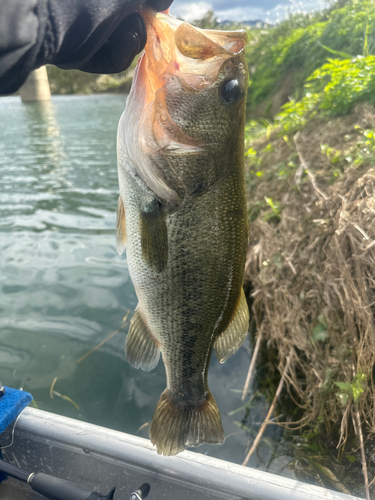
x,y
78,82
310,272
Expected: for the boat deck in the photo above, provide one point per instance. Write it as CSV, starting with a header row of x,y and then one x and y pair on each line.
x,y
97,458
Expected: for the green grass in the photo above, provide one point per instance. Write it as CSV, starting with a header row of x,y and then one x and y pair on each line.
x,y
299,46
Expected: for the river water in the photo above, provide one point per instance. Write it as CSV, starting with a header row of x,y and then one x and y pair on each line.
x,y
63,287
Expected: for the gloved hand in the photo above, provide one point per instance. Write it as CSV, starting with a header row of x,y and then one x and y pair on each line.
x,y
99,36
96,36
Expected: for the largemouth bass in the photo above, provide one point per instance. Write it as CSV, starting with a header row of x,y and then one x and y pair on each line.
x,y
182,217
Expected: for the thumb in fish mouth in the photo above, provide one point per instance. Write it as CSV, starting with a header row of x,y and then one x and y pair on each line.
x,y
172,43
159,5
122,46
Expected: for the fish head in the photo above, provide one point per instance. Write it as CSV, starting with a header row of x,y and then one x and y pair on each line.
x,y
188,95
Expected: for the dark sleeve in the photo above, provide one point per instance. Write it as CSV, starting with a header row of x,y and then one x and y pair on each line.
x,y
97,36
21,38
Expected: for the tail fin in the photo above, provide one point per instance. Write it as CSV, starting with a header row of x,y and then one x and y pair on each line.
x,y
174,428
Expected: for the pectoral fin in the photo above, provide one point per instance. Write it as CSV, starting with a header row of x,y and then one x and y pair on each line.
x,y
140,348
120,227
154,237
234,336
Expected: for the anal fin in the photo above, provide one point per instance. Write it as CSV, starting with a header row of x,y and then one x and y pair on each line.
x,y
235,334
140,348
120,227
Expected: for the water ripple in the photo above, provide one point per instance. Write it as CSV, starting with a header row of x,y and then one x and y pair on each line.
x,y
63,288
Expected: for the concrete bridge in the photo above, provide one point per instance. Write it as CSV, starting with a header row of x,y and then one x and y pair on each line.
x,y
36,87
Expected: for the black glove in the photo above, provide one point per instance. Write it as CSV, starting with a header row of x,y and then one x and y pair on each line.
x,y
96,36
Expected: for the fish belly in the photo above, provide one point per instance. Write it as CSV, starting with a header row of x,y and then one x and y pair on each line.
x,y
188,304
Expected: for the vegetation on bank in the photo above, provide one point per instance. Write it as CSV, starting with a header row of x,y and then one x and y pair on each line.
x,y
288,53
310,274
77,82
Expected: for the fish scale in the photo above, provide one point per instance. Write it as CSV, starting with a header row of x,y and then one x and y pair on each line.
x,y
182,216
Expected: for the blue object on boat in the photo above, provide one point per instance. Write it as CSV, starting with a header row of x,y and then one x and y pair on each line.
x,y
12,403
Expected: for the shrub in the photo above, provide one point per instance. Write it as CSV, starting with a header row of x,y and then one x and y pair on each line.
x,y
333,89
295,45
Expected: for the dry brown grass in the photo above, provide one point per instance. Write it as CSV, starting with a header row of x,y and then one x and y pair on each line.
x,y
317,266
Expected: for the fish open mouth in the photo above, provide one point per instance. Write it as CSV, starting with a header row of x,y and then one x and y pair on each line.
x,y
177,49
179,66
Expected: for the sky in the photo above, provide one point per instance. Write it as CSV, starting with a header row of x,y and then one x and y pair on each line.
x,y
242,10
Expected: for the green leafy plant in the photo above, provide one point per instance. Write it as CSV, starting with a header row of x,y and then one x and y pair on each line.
x,y
276,209
332,89
352,389
368,44
298,46
319,332
334,155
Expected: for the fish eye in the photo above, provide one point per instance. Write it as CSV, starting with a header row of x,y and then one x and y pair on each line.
x,y
231,91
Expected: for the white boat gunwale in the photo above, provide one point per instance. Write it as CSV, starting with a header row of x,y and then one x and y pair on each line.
x,y
198,470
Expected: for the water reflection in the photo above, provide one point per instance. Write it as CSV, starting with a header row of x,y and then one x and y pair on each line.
x,y
63,288
45,133
41,116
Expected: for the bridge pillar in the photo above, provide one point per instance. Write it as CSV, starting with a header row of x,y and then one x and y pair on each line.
x,y
36,87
